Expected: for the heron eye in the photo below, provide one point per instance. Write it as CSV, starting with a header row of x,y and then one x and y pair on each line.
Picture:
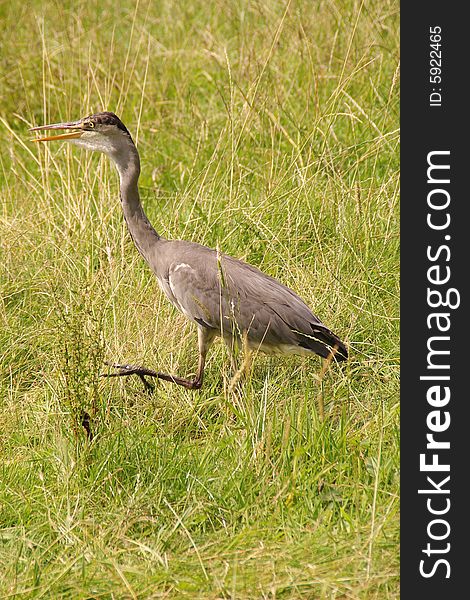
x,y
90,125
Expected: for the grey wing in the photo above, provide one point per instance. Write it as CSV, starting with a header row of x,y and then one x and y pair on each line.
x,y
232,297
194,287
203,288
284,318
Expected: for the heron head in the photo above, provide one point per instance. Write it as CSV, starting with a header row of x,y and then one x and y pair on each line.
x,y
103,132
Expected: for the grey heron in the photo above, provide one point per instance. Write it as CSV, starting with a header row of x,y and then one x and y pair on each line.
x,y
223,296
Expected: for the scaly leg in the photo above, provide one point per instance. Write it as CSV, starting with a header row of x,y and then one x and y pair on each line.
x,y
205,337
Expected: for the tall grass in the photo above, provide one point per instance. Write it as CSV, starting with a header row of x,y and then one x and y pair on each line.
x,y
266,129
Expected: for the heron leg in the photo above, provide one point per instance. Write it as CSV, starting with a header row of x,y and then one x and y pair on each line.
x,y
205,338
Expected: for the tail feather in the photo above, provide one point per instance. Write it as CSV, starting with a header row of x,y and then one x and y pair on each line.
x,y
324,342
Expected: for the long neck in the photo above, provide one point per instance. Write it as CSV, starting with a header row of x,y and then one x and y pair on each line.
x,y
142,232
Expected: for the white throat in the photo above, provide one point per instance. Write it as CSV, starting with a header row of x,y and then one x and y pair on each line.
x,y
119,147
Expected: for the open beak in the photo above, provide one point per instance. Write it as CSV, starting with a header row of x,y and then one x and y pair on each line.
x,y
75,131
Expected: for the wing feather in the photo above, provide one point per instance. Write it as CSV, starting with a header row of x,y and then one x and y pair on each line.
x,y
232,297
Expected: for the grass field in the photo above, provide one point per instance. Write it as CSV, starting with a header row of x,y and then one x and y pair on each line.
x,y
266,129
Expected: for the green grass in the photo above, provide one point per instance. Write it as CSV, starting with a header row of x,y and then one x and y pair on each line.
x,y
267,130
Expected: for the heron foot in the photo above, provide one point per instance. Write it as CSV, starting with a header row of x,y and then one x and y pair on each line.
x,y
124,370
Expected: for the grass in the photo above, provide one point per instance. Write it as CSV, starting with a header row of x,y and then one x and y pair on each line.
x,y
266,129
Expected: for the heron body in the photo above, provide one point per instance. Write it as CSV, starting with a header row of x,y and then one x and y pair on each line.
x,y
222,295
